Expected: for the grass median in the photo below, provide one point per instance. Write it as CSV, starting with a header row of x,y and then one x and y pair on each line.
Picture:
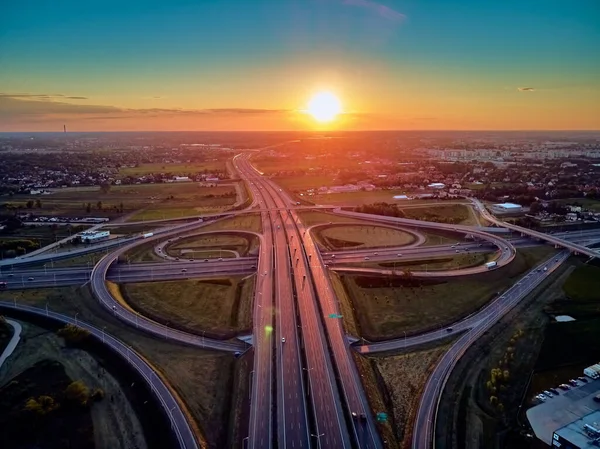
x,y
361,236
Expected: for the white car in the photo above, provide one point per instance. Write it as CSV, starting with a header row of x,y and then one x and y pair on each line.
x,y
399,254
366,258
282,339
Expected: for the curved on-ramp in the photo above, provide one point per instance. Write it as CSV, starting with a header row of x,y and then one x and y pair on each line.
x,y
125,313
170,404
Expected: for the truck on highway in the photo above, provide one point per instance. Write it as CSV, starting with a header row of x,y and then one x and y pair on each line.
x,y
592,371
147,234
3,285
491,265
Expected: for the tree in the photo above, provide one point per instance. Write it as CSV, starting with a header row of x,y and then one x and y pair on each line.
x,y
105,187
493,400
73,334
99,205
42,405
29,204
77,392
88,207
38,204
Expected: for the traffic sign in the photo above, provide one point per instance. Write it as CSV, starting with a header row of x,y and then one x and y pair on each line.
x,y
335,315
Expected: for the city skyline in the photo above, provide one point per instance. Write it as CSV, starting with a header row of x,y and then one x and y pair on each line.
x,y
236,66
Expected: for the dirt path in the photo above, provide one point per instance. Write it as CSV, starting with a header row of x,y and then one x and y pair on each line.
x,y
116,425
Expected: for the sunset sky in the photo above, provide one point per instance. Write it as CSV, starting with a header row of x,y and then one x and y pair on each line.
x,y
254,65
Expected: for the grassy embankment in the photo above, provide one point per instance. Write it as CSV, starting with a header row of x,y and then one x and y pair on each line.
x,y
460,261
204,379
216,307
394,384
385,307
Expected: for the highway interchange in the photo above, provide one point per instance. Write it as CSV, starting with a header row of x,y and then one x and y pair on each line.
x,y
305,387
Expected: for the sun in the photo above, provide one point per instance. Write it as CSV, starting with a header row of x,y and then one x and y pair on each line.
x,y
324,106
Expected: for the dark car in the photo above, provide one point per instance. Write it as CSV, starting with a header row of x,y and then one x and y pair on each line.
x,y
582,379
449,329
554,390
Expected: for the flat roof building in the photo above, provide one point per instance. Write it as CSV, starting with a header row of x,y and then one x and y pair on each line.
x,y
506,208
583,433
436,185
94,236
564,409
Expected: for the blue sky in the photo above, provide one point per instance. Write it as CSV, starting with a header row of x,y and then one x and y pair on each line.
x,y
399,59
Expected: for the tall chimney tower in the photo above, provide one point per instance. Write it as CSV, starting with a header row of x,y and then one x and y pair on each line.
x,y
65,128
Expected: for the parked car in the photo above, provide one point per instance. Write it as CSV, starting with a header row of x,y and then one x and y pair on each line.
x,y
554,391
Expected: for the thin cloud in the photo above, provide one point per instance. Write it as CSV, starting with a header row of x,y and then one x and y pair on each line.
x,y
526,89
382,10
31,105
44,97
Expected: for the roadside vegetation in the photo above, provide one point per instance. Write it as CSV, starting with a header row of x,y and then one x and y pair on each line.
x,y
459,261
6,332
212,307
212,167
394,384
18,239
387,306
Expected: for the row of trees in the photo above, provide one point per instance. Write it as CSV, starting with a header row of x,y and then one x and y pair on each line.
x,y
500,377
77,393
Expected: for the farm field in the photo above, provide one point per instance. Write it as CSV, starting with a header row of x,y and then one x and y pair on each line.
x,y
210,306
386,307
174,169
74,201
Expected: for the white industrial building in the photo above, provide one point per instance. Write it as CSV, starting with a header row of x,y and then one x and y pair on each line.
x,y
436,185
94,236
507,208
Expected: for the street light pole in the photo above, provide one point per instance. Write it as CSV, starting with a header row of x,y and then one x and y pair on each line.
x,y
76,313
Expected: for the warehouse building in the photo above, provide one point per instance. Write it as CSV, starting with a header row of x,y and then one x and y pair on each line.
x,y
563,416
94,236
507,209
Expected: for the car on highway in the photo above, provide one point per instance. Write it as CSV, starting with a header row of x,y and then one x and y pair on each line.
x,y
354,415
363,416
30,278
220,259
376,254
177,258
399,254
367,258
282,339
191,260
205,260
253,267
458,250
184,271
449,329
10,275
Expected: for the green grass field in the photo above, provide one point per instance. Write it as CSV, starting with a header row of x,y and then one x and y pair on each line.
x,y
375,196
386,307
292,183
311,218
72,201
361,236
246,222
443,213
215,242
211,306
174,169
584,284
